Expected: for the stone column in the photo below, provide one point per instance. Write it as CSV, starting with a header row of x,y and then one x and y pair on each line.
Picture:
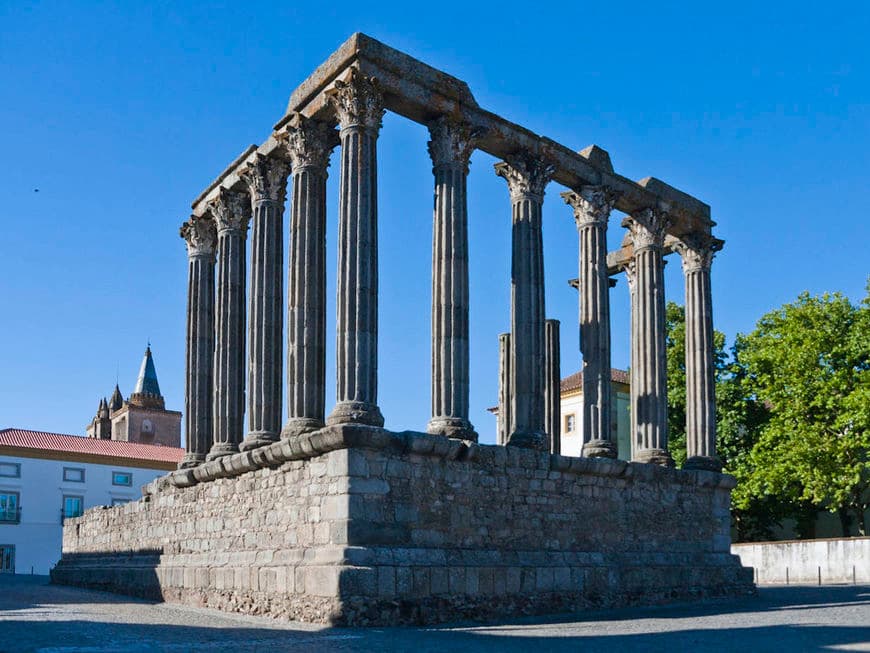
x,y
527,177
697,253
309,144
450,148
650,388
631,278
232,212
267,182
504,388
199,232
359,106
552,387
592,207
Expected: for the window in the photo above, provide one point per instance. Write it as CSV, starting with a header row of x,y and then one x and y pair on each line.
x,y
120,502
122,478
569,423
10,511
72,507
74,474
10,470
7,558
147,426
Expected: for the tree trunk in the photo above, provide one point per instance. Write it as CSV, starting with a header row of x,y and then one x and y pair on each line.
x,y
845,521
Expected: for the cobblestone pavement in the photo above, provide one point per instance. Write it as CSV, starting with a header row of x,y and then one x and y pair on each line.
x,y
36,616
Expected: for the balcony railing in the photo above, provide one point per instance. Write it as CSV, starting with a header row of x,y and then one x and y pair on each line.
x,y
10,516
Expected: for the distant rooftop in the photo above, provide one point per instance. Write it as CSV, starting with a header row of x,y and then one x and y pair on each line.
x,y
23,439
575,381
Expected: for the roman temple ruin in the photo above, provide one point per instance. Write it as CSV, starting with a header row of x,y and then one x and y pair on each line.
x,y
329,516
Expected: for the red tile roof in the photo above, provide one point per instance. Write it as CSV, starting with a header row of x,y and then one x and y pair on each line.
x,y
575,381
81,445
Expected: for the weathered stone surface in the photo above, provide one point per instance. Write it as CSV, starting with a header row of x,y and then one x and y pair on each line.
x,y
201,237
399,529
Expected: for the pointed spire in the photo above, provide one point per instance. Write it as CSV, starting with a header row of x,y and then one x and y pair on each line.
x,y
147,384
117,401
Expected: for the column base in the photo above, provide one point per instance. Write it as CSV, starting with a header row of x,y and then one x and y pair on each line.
x,y
528,440
221,449
355,412
654,457
599,449
300,425
452,427
191,460
257,439
706,463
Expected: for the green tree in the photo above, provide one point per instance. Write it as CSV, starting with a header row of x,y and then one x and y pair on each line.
x,y
808,364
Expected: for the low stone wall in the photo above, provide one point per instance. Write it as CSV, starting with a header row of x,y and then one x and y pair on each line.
x,y
839,560
357,525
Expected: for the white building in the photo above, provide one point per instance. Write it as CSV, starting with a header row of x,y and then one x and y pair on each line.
x,y
46,477
571,406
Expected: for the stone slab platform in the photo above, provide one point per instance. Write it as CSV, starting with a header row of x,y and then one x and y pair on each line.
x,y
358,525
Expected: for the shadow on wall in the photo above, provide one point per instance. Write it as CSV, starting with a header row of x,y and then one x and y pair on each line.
x,y
135,571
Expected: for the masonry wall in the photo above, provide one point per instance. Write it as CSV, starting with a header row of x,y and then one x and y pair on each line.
x,y
414,528
839,560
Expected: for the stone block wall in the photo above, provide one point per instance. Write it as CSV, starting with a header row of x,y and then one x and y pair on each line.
x,y
356,525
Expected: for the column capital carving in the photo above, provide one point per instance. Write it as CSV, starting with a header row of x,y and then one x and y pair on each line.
x,y
697,251
308,143
201,236
592,205
647,228
231,210
452,142
266,178
357,102
526,175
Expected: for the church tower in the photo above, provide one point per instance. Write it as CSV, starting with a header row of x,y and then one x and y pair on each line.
x,y
143,417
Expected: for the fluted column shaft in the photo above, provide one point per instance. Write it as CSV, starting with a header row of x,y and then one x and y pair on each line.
x,y
552,386
231,212
527,178
504,388
266,179
633,357
359,107
450,147
697,254
592,207
309,144
650,401
199,232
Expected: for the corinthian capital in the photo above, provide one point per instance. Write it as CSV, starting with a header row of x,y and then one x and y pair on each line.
x,y
526,176
231,210
592,205
357,102
201,236
452,142
266,178
309,142
647,228
697,251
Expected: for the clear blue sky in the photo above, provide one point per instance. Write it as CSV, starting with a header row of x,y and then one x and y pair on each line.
x,y
121,113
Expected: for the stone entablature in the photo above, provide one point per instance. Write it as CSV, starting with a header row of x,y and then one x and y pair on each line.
x,y
358,525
